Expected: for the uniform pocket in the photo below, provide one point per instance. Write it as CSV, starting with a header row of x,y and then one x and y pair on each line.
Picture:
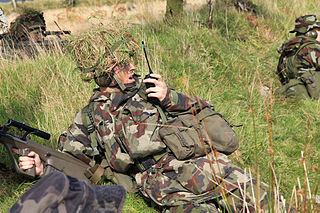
x,y
190,136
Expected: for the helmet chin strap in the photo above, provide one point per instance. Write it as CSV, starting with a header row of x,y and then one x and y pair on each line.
x,y
119,82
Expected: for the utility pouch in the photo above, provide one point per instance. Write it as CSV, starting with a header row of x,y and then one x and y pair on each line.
x,y
293,89
312,82
189,136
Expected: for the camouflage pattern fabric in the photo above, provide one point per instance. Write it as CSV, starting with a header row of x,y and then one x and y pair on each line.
x,y
57,192
199,183
127,133
299,61
293,63
3,23
305,23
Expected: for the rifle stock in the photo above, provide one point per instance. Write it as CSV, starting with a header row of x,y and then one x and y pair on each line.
x,y
50,157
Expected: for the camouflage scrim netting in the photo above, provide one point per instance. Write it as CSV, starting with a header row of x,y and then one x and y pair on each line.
x,y
98,51
305,23
29,20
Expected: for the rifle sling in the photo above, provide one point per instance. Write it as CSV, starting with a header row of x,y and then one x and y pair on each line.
x,y
94,173
89,122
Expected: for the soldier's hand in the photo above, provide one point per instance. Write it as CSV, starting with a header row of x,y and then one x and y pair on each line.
x,y
160,88
27,162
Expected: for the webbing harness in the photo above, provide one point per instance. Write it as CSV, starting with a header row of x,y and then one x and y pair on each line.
x,y
89,123
94,173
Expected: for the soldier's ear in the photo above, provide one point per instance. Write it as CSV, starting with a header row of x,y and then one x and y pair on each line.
x,y
312,34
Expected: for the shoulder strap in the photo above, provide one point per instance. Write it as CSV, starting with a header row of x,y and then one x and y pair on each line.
x,y
143,95
300,48
88,112
291,62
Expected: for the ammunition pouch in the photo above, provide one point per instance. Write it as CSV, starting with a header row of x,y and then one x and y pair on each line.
x,y
194,135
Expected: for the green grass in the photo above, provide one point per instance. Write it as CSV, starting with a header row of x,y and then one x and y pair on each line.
x,y
227,65
55,4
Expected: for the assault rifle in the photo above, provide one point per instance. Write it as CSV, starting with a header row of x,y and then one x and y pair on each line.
x,y
50,157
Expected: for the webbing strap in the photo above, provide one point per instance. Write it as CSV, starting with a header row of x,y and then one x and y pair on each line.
x,y
143,95
162,114
89,122
119,82
292,61
94,173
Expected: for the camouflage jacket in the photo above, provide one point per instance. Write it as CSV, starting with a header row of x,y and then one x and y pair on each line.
x,y
298,55
126,124
126,130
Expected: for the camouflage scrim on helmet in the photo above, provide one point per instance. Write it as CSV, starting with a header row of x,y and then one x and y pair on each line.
x,y
30,20
305,23
97,52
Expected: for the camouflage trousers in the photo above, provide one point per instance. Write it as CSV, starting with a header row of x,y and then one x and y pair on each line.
x,y
59,193
202,185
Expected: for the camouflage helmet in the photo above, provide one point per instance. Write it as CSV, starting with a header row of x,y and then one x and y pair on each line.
x,y
97,52
305,23
26,23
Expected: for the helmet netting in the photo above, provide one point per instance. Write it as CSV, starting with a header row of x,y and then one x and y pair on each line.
x,y
97,52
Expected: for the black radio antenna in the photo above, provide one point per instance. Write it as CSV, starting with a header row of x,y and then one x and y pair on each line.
x,y
145,54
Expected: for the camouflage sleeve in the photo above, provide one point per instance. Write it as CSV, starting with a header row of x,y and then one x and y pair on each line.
x,y
176,102
308,59
75,140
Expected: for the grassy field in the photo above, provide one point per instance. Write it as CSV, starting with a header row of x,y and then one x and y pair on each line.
x,y
55,4
231,65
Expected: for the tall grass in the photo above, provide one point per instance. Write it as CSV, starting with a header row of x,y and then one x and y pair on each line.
x,y
231,65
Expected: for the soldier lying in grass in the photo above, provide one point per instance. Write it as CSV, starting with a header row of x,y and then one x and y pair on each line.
x,y
299,63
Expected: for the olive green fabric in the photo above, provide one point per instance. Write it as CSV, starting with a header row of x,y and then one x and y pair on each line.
x,y
293,89
312,83
192,135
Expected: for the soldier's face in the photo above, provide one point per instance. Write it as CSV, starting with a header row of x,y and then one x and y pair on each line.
x,y
125,73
